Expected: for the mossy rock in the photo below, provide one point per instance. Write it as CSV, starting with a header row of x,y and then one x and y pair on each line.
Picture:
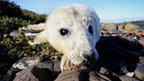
x,y
109,26
130,26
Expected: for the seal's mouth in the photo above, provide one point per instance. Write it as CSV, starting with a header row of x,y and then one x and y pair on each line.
x,y
80,59
83,63
78,63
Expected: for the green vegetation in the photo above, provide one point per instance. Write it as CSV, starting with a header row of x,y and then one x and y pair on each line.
x,y
12,17
14,48
7,24
18,47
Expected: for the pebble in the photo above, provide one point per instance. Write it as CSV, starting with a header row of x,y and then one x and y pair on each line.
x,y
139,72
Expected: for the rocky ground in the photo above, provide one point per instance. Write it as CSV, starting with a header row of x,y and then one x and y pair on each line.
x,y
121,58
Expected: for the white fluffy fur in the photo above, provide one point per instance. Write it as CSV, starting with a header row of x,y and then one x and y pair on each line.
x,y
79,42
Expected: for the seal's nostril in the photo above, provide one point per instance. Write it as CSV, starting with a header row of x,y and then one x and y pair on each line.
x,y
88,57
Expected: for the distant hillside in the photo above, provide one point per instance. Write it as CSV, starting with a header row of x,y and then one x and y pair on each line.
x,y
12,17
139,23
10,9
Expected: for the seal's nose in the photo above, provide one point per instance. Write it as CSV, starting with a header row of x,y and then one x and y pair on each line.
x,y
88,57
88,60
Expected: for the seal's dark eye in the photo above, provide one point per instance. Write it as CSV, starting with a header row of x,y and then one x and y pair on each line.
x,y
64,31
90,29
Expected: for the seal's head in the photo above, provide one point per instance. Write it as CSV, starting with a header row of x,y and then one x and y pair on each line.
x,y
74,31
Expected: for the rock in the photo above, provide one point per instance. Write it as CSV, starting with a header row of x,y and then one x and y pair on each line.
x,y
116,57
139,72
46,71
70,76
35,74
14,33
127,78
26,61
130,74
103,70
53,66
141,41
130,26
109,26
81,76
141,60
10,74
93,76
134,35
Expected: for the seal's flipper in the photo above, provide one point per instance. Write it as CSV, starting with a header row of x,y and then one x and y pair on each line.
x,y
41,38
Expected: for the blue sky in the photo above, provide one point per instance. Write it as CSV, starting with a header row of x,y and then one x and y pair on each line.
x,y
107,10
